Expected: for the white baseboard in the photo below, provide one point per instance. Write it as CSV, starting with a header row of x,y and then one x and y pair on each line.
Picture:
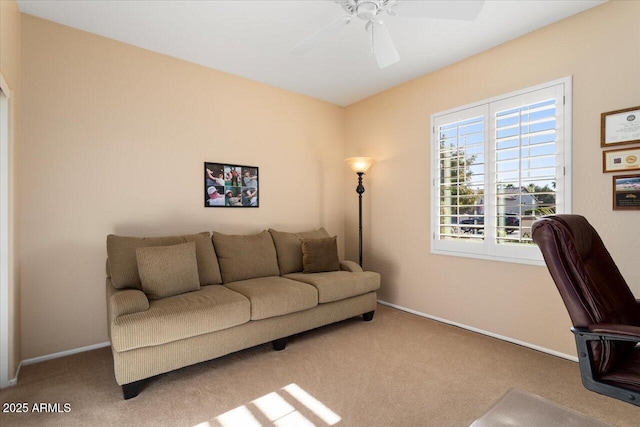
x,y
480,331
64,353
14,381
38,359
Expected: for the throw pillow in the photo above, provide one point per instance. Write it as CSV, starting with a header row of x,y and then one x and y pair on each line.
x,y
289,248
320,255
168,270
123,265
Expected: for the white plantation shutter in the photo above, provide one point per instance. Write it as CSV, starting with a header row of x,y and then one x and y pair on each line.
x,y
460,182
462,175
499,165
525,165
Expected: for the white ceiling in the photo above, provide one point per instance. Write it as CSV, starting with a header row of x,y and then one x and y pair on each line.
x,y
250,38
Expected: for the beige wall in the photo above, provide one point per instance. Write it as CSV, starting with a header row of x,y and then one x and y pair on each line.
x,y
10,70
114,140
600,48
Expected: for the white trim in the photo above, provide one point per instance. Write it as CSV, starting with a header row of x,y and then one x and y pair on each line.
x,y
64,353
52,356
5,138
483,332
4,86
398,307
14,381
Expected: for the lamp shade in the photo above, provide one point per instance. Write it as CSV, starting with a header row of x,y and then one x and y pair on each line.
x,y
359,164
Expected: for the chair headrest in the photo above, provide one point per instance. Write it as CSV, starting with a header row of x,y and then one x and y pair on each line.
x,y
581,231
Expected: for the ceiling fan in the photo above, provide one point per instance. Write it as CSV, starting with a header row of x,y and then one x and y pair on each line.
x,y
372,11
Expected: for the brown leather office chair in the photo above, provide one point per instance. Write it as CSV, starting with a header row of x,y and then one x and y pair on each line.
x,y
603,310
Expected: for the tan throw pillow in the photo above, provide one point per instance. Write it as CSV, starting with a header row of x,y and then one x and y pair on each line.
x,y
244,257
320,255
168,270
123,266
289,248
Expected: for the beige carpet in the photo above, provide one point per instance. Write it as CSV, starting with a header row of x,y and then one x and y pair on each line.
x,y
399,370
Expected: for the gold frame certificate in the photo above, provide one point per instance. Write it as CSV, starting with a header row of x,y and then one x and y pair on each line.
x,y
620,127
626,159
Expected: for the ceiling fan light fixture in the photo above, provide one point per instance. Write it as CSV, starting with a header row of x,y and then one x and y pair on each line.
x,y
367,10
382,46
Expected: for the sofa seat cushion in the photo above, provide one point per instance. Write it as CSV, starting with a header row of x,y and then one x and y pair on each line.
x,y
275,296
338,285
210,309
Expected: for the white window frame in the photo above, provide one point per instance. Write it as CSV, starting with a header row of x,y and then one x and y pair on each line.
x,y
487,248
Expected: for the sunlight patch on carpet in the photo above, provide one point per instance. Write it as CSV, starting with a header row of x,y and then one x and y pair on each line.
x,y
285,408
240,416
318,408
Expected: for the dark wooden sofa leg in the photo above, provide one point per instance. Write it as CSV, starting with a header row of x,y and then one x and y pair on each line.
x,y
367,317
279,344
131,390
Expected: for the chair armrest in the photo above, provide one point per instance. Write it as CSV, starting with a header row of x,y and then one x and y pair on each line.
x,y
615,329
350,266
608,332
589,372
127,301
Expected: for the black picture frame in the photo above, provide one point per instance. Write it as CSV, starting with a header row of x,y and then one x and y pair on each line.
x,y
228,185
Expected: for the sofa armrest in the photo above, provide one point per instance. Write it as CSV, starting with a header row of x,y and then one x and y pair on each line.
x,y
127,301
350,266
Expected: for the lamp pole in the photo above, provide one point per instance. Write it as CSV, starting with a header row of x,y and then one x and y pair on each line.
x,y
359,165
360,190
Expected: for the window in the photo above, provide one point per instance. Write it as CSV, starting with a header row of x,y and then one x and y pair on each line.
x,y
498,165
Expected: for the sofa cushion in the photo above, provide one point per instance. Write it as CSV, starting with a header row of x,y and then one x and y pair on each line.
x,y
289,248
168,270
337,285
275,296
210,309
123,265
320,255
245,257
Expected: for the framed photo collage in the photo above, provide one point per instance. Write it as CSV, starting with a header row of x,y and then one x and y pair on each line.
x,y
231,186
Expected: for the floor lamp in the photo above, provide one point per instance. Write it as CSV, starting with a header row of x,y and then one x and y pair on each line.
x,y
359,165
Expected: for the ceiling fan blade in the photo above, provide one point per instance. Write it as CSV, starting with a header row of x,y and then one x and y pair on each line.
x,y
463,10
307,44
383,47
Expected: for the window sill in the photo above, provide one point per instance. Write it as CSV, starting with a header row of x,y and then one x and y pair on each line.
x,y
513,260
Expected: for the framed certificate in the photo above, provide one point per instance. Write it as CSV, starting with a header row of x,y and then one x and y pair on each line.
x,y
620,127
625,159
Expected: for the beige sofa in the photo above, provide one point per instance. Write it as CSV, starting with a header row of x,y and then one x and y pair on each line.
x,y
180,300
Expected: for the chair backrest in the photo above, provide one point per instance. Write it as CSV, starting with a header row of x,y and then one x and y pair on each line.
x,y
591,286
